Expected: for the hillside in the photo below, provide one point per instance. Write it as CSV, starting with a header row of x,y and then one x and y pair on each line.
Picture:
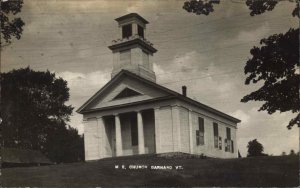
x,y
260,171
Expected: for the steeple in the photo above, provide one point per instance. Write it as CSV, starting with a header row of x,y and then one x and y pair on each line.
x,y
132,51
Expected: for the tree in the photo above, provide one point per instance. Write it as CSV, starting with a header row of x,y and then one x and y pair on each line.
x,y
255,149
10,27
274,63
292,152
34,112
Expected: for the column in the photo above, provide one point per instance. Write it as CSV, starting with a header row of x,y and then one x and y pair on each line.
x,y
176,129
134,29
191,132
100,136
119,149
157,130
141,139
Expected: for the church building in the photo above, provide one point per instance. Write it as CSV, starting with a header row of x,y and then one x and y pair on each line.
x,y
132,114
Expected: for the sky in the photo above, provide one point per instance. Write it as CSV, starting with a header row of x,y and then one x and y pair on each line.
x,y
205,53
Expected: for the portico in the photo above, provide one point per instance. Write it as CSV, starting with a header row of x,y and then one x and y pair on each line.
x,y
126,133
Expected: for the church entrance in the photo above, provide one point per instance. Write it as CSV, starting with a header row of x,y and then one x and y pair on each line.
x,y
132,133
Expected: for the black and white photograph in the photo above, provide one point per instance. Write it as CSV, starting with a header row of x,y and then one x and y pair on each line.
x,y
150,93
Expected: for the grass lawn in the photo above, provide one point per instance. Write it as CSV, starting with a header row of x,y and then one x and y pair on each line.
x,y
259,171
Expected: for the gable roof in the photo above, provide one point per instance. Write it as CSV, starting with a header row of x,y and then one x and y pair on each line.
x,y
172,94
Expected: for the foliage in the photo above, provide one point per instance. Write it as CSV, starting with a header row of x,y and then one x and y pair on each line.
x,y
10,27
274,63
65,145
34,113
292,152
200,7
255,148
259,7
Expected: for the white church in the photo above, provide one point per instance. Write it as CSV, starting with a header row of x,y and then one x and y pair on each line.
x,y
132,114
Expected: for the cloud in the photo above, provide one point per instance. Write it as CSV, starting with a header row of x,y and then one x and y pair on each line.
x,y
82,86
250,35
269,130
77,82
240,114
158,69
140,6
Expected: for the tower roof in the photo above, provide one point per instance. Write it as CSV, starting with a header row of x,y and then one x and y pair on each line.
x,y
132,15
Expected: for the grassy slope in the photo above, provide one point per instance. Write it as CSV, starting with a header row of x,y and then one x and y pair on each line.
x,y
261,171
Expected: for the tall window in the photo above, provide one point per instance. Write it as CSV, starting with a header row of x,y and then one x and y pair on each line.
x,y
228,141
200,132
134,132
228,133
216,135
126,31
140,31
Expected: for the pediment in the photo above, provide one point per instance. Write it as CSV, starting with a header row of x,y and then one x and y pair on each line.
x,y
125,89
125,93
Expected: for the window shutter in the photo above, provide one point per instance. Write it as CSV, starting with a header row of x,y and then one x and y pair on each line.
x,y
228,133
197,137
232,148
216,131
216,141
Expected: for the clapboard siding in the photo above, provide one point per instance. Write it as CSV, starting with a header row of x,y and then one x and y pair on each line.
x,y
91,141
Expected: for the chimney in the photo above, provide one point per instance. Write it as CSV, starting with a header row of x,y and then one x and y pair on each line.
x,y
184,91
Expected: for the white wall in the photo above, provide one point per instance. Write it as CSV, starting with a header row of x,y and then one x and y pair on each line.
x,y
208,148
171,126
164,130
91,139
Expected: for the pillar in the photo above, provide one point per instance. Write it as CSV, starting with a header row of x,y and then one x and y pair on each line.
x,y
141,139
157,130
191,132
119,149
176,129
134,29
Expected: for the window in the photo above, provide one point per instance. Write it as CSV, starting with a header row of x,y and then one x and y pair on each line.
x,y
227,144
216,135
200,132
228,133
220,143
127,93
126,31
140,31
134,132
228,141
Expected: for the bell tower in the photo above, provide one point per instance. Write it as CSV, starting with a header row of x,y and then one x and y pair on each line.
x,y
132,51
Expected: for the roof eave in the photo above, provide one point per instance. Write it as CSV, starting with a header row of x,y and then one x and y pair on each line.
x,y
132,15
131,42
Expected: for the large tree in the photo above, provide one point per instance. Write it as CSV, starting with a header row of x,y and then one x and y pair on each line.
x,y
255,149
10,26
273,63
34,112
